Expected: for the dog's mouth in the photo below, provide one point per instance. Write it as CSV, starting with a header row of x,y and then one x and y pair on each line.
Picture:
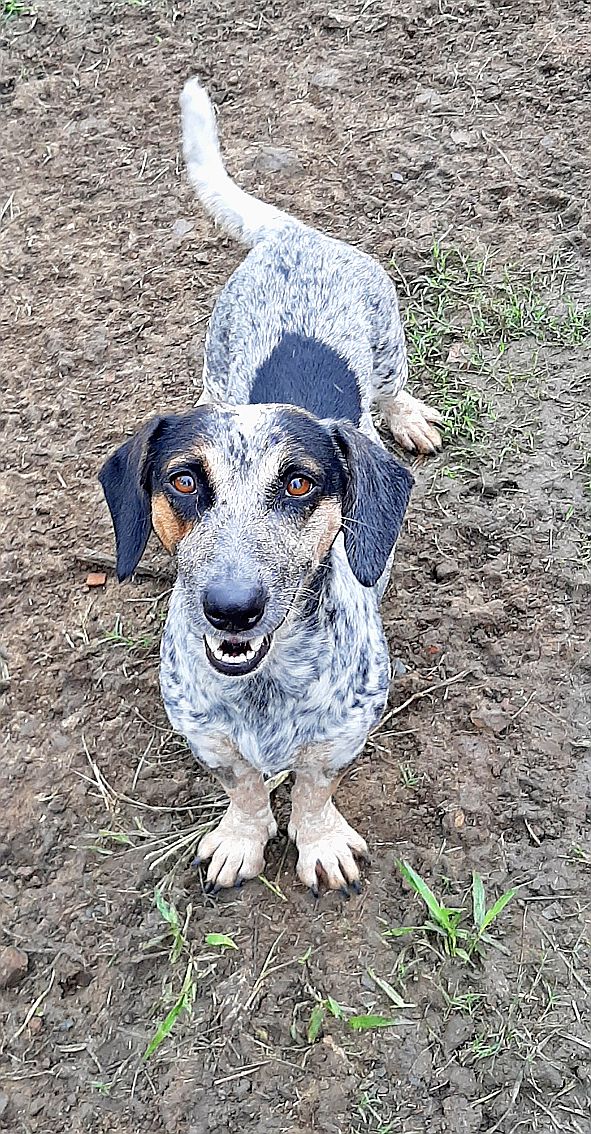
x,y
235,657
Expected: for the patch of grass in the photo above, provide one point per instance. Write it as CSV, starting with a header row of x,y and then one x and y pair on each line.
x,y
461,938
466,1003
371,1109
15,8
116,637
176,936
183,1003
461,315
409,777
358,1023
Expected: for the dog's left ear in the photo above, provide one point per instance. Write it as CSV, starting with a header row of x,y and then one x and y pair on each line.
x,y
125,481
376,497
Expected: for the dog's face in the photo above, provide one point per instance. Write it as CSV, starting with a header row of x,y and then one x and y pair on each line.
x,y
251,499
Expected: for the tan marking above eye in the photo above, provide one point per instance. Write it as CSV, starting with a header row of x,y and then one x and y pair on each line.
x,y
299,486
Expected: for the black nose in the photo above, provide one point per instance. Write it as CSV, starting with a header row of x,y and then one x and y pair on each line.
x,y
234,606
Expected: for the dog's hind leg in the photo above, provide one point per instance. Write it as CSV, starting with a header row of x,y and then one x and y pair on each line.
x,y
412,423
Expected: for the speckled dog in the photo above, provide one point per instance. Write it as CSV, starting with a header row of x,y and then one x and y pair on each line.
x,y
283,508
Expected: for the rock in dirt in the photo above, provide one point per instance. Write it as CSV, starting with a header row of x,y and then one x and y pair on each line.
x,y
463,1081
276,159
182,227
490,719
445,570
13,966
457,1033
96,579
326,78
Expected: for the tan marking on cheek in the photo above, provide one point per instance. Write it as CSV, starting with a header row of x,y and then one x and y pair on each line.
x,y
169,527
325,525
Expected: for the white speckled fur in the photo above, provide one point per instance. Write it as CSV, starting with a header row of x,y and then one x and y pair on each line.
x,y
326,678
324,682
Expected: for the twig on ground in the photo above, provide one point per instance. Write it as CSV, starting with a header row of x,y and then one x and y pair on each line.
x,y
419,695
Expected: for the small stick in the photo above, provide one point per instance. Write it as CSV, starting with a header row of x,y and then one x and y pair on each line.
x,y
422,693
36,1004
241,1072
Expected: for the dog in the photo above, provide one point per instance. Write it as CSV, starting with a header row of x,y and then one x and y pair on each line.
x,y
283,508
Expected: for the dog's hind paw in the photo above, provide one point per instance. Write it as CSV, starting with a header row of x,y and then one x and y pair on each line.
x,y
236,848
327,850
412,423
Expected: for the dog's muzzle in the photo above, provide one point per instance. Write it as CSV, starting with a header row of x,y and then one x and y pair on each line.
x,y
234,606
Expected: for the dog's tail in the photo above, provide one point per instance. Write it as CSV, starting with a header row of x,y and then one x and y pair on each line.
x,y
240,214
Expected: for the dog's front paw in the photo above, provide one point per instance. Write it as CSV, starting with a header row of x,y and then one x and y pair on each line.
x,y
412,423
236,847
326,851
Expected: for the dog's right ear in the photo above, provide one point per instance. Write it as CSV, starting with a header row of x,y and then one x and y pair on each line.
x,y
125,481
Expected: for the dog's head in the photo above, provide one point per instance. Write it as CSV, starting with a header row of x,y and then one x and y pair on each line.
x,y
251,499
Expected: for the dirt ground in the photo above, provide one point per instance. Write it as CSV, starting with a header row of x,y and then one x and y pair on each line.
x,y
432,135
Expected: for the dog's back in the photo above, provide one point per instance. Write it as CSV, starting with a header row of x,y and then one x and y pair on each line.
x,y
304,317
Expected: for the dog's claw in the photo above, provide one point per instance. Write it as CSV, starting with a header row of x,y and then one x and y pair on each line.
x,y
356,887
344,890
210,888
196,861
314,892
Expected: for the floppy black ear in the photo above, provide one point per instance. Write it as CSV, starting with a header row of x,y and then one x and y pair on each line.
x,y
377,493
125,481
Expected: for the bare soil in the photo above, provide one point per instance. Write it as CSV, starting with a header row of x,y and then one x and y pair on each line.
x,y
391,126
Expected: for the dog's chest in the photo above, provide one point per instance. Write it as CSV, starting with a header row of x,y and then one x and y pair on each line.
x,y
326,685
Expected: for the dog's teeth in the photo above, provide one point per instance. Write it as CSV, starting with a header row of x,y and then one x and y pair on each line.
x,y
223,651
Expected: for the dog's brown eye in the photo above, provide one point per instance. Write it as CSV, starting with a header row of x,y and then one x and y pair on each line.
x,y
299,486
184,482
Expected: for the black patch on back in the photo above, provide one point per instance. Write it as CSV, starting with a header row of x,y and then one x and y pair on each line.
x,y
304,372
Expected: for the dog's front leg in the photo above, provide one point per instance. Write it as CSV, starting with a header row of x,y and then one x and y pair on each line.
x,y
236,846
326,843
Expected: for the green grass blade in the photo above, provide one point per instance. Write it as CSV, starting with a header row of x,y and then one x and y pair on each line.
x,y
334,1008
498,908
315,1024
165,1027
273,887
389,990
401,931
184,1002
366,1023
220,941
438,913
167,912
478,899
